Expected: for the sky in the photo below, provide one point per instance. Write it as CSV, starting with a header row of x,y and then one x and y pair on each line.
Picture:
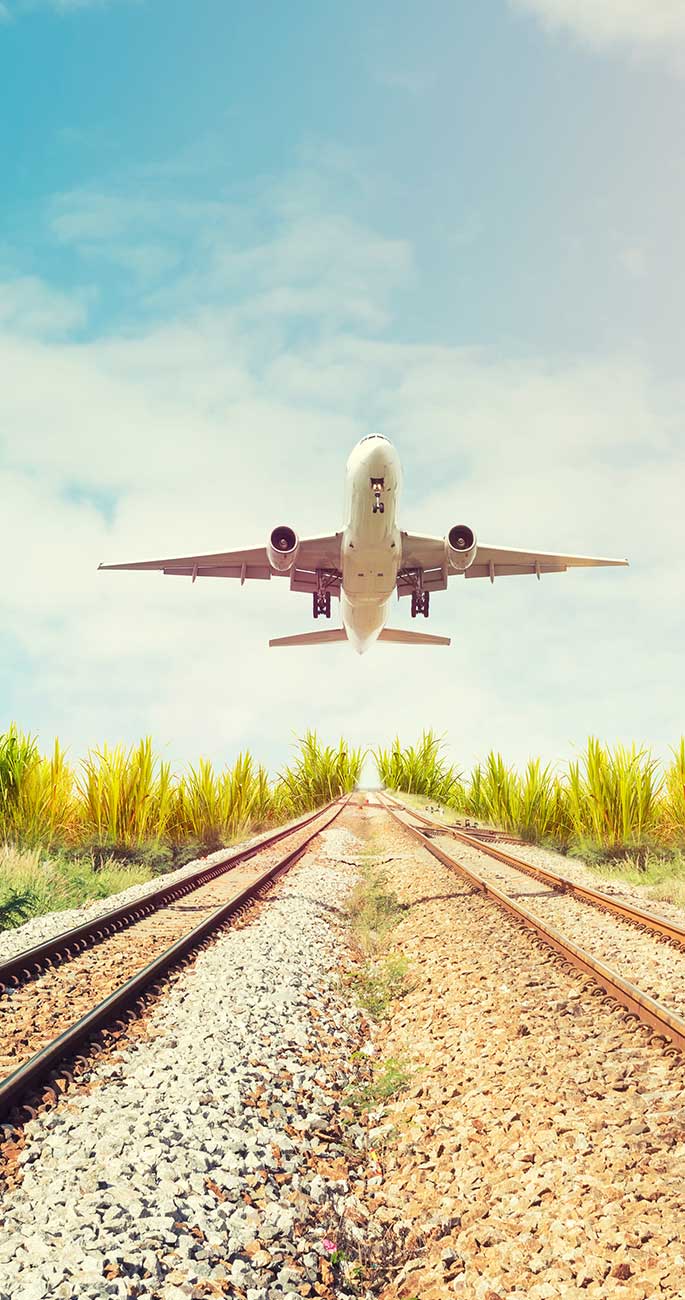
x,y
236,238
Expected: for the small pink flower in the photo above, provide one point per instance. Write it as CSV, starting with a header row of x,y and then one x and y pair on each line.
x,y
328,1245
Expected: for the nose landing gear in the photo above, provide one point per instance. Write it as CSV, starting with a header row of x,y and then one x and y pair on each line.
x,y
377,485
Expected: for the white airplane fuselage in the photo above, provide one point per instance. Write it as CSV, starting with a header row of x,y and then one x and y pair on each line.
x,y
371,543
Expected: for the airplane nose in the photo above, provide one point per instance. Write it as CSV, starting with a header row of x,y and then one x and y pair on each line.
x,y
374,451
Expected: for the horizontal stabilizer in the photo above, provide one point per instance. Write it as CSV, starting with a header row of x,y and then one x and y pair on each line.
x,y
402,637
311,638
396,634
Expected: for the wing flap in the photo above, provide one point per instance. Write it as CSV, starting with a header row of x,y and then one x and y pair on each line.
x,y
219,571
512,570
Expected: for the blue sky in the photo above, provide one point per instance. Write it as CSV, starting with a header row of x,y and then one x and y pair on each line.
x,y
233,239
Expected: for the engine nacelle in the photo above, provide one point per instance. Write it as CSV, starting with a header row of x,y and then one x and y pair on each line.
x,y
282,548
460,548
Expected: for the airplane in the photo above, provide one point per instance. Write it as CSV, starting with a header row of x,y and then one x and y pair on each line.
x,y
370,560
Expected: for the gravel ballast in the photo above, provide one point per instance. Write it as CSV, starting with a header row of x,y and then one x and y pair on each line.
x,y
206,1157
546,1138
655,966
40,929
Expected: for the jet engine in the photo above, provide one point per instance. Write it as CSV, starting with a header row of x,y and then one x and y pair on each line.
x,y
282,548
460,548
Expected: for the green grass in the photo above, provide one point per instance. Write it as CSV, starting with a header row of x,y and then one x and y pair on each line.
x,y
121,815
373,909
420,770
659,877
120,799
378,984
390,1078
609,802
31,884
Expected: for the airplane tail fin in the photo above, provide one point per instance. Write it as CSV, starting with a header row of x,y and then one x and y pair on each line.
x,y
396,634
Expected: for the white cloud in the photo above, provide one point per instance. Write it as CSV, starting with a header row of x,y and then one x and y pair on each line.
x,y
28,306
302,259
606,22
235,407
199,440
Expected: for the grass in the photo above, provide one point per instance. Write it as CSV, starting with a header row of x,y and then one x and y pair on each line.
x,y
390,1078
121,814
31,884
373,909
420,770
384,976
661,878
607,804
378,984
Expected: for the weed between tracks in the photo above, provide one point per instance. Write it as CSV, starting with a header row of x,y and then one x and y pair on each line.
x,y
366,1254
382,977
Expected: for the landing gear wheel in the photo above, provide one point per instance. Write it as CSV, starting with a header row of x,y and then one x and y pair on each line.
x,y
321,604
420,603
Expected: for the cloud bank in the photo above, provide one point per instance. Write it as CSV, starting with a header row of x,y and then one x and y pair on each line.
x,y
649,23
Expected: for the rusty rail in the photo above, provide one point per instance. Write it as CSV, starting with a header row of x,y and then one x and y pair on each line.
x,y
640,1005
657,925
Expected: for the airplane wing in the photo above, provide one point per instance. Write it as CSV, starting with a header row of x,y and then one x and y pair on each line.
x,y
313,553
503,561
428,554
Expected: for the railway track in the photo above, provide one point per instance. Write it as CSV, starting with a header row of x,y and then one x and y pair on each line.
x,y
593,932
58,996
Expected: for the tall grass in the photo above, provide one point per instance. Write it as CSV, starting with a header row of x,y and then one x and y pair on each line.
x,y
122,800
613,797
316,776
420,770
609,801
214,807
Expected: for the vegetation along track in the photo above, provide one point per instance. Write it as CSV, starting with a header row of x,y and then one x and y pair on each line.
x,y
637,959
58,995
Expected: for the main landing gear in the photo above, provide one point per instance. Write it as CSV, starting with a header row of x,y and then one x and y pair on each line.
x,y
322,604
420,603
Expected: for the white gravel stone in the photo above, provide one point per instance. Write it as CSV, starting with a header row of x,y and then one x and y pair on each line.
x,y
127,1174
41,928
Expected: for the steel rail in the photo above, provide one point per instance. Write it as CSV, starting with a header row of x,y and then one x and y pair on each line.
x,y
639,1005
29,963
657,925
34,1071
